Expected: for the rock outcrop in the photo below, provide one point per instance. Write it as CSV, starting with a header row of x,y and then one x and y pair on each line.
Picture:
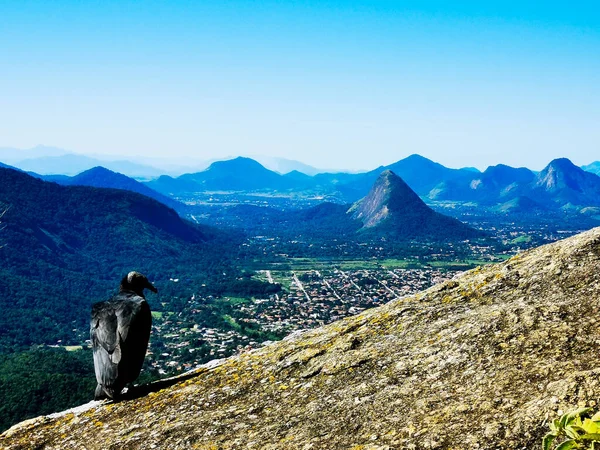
x,y
483,361
563,183
392,208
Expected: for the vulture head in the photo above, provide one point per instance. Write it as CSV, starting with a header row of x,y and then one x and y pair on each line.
x,y
136,282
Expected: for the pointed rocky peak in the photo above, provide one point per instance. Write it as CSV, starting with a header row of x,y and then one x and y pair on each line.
x,y
393,208
396,189
389,194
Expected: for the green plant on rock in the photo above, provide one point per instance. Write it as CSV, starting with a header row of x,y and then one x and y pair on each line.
x,y
576,430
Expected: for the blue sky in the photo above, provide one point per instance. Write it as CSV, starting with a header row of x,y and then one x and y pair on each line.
x,y
335,84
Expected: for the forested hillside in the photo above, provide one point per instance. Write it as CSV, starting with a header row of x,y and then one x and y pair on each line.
x,y
67,247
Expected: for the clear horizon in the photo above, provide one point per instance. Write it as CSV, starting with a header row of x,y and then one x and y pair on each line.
x,y
341,85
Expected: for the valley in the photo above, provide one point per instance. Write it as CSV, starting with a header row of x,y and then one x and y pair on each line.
x,y
182,339
310,291
247,267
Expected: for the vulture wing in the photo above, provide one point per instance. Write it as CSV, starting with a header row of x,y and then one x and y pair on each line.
x,y
119,329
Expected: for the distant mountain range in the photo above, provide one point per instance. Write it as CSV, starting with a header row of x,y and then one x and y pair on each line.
x,y
74,164
391,210
244,174
12,156
420,173
495,185
46,160
560,185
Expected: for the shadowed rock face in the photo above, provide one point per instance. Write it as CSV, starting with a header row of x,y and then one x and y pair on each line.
x,y
482,361
563,182
392,207
389,194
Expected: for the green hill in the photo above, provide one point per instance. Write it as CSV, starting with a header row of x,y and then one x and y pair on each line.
x,y
104,178
65,247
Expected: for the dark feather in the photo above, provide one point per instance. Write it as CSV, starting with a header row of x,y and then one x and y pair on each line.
x,y
120,331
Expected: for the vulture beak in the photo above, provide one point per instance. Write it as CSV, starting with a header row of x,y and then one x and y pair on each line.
x,y
151,287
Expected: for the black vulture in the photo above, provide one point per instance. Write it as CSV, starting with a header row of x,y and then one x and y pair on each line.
x,y
120,331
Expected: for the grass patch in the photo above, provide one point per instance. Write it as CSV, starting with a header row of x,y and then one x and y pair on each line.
x,y
523,239
378,264
73,348
401,264
466,264
299,265
231,321
282,278
355,264
260,275
237,300
157,315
